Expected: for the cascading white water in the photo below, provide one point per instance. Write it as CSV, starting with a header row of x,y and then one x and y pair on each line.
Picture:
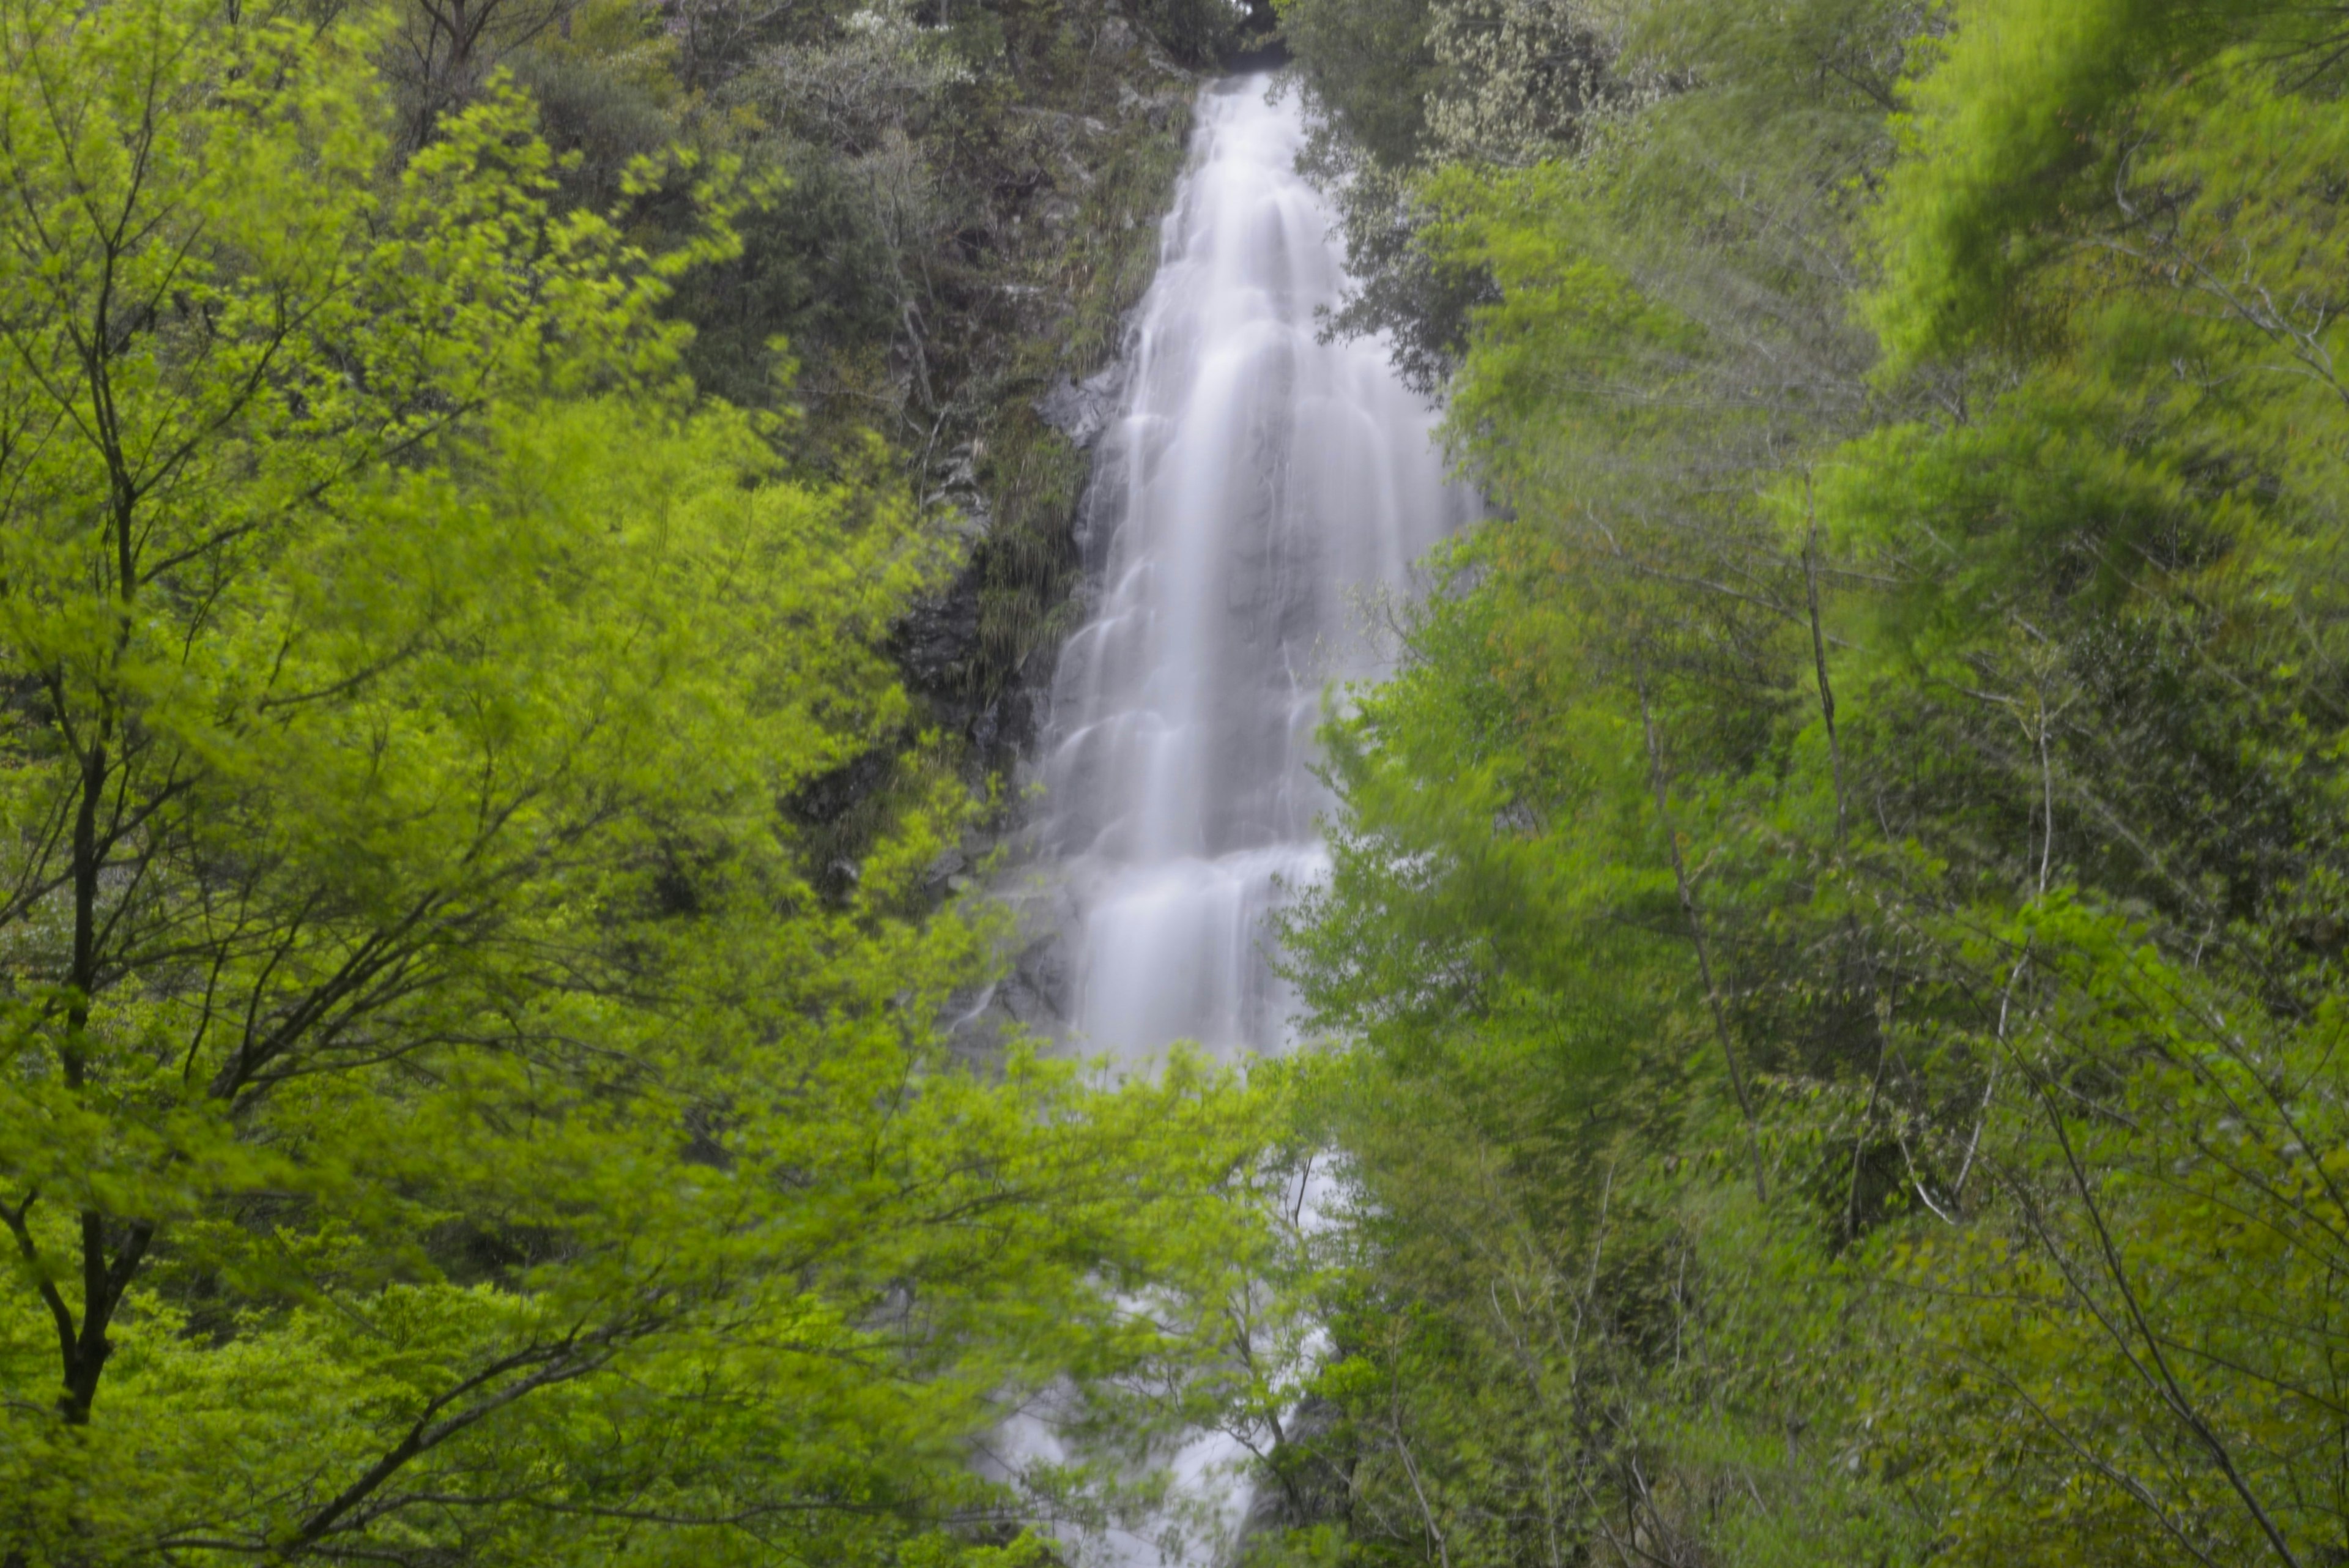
x,y
1258,481
1256,487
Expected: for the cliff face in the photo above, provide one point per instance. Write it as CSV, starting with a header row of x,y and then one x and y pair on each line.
x,y
1069,242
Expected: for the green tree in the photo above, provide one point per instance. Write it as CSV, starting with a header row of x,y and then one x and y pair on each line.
x,y
1907,670
443,1115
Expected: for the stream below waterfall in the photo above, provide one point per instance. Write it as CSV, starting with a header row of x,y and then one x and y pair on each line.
x,y
1253,491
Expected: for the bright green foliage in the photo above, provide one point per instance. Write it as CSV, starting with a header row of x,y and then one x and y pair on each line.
x,y
2135,1356
442,1116
1943,736
2023,124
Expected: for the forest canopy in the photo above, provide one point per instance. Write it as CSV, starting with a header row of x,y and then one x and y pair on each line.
x,y
1832,974
460,1100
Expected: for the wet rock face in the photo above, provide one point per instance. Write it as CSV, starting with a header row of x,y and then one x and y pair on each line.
x,y
1081,410
937,648
939,637
1036,992
938,645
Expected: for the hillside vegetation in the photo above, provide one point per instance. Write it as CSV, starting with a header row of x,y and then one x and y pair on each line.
x,y
1835,969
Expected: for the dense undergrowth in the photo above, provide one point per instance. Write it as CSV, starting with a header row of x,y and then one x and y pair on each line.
x,y
1835,965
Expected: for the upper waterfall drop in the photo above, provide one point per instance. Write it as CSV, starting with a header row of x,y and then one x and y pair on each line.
x,y
1257,483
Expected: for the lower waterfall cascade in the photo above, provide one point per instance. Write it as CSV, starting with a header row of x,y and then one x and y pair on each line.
x,y
1258,488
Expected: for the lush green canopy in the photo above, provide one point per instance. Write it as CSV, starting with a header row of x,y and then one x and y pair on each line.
x,y
444,1114
1836,936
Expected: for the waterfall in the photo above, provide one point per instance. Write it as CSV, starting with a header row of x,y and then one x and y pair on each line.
x,y
1256,486
1252,489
